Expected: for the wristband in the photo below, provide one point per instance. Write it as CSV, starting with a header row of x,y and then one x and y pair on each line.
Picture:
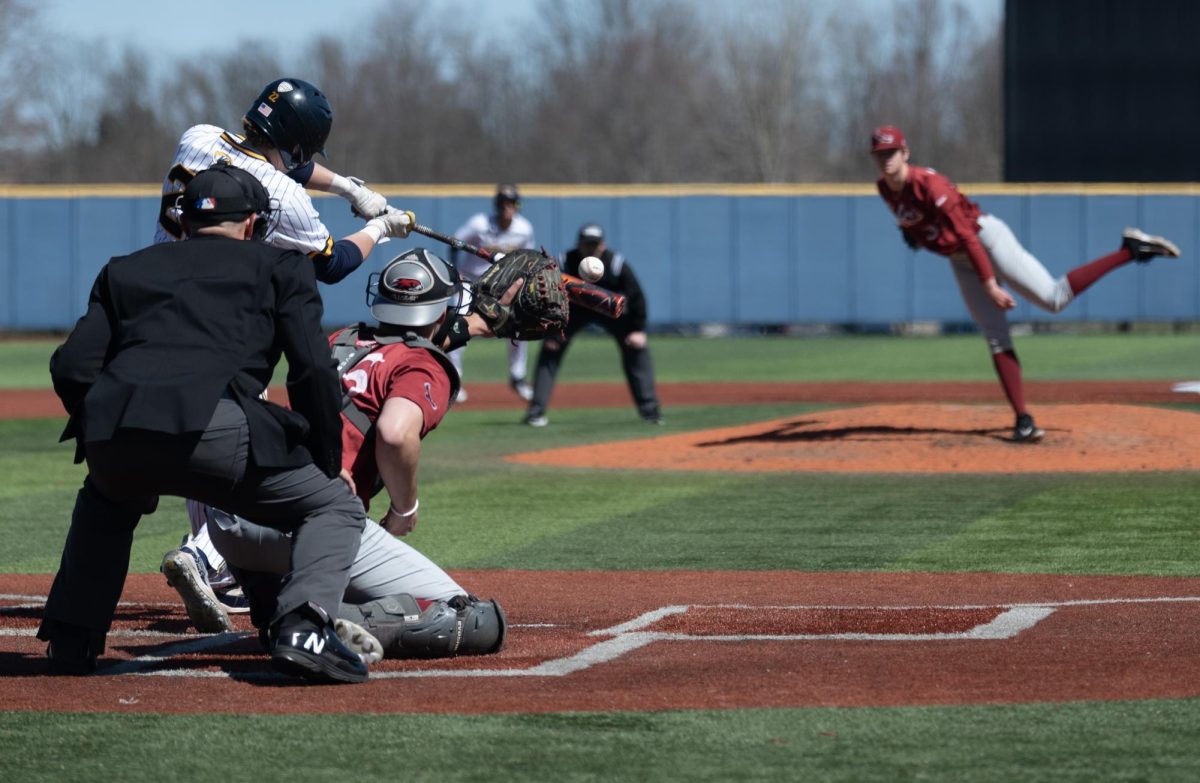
x,y
374,230
458,333
393,510
341,186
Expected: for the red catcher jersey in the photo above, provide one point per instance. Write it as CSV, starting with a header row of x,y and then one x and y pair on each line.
x,y
394,370
930,210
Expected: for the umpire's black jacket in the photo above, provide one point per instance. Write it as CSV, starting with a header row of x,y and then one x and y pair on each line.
x,y
172,328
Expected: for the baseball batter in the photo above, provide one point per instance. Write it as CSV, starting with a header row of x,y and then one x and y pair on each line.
x,y
398,388
984,254
284,128
503,231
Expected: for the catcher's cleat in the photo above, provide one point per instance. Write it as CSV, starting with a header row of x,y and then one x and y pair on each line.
x,y
1026,431
1143,246
305,644
359,640
535,420
521,388
184,572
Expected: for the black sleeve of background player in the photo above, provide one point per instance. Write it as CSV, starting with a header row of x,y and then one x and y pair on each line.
x,y
635,300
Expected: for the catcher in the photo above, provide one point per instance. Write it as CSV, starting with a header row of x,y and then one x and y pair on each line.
x,y
398,384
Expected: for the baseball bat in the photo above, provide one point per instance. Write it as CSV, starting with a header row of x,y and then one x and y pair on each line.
x,y
579,291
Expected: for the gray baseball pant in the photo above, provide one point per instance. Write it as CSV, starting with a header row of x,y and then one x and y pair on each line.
x,y
128,473
1016,268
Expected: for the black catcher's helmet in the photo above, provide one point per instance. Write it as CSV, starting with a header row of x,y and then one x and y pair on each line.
x,y
414,289
295,116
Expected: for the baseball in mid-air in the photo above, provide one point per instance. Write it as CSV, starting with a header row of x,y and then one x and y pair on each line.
x,y
591,269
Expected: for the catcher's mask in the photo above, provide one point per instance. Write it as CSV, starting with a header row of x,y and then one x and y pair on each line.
x,y
414,289
296,117
223,193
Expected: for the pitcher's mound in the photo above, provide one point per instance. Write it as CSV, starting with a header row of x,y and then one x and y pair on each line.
x,y
915,439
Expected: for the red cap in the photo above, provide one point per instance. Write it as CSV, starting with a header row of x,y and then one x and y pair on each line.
x,y
887,137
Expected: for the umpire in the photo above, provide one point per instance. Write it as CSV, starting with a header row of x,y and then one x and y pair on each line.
x,y
161,378
629,331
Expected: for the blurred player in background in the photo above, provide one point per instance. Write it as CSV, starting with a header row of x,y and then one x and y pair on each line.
x,y
984,253
284,128
629,331
503,231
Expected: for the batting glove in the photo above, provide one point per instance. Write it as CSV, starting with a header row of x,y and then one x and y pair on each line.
x,y
393,222
365,202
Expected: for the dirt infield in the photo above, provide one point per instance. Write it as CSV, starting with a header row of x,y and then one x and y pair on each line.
x,y
914,439
667,640
39,403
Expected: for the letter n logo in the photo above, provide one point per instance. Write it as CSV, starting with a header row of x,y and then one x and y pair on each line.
x,y
315,643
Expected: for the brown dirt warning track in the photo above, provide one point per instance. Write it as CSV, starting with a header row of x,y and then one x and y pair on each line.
x,y
704,640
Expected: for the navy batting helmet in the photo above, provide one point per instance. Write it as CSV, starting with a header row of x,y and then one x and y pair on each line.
x,y
295,116
414,289
506,194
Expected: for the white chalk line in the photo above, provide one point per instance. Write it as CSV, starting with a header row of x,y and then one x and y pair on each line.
x,y
628,636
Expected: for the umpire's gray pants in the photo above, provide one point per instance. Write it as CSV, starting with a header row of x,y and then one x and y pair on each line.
x,y
128,473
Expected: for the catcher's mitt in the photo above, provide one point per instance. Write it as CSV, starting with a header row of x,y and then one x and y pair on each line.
x,y
540,306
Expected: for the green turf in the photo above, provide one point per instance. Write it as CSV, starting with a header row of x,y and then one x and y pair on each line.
x,y
1152,740
1067,523
479,511
23,364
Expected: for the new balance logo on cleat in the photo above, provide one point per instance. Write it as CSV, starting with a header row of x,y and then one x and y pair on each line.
x,y
314,642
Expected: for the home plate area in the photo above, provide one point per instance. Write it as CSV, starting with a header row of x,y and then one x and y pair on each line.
x,y
625,641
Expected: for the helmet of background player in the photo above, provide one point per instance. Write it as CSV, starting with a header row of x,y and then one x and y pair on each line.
x,y
414,289
295,116
506,194
223,193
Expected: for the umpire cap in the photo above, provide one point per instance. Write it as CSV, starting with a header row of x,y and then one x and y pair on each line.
x,y
591,233
414,289
223,193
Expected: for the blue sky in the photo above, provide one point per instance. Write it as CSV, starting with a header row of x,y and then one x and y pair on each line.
x,y
166,30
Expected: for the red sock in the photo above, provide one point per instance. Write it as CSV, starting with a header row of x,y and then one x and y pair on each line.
x,y
1009,370
1081,277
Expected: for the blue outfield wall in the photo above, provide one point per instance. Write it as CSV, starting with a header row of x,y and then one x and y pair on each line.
x,y
730,254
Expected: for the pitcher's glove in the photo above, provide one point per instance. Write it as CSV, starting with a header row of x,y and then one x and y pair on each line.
x,y
540,306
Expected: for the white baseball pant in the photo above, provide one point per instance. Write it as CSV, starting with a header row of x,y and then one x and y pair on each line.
x,y
1016,268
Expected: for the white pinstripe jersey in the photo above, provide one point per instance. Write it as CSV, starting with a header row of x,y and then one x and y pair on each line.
x,y
482,231
295,224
